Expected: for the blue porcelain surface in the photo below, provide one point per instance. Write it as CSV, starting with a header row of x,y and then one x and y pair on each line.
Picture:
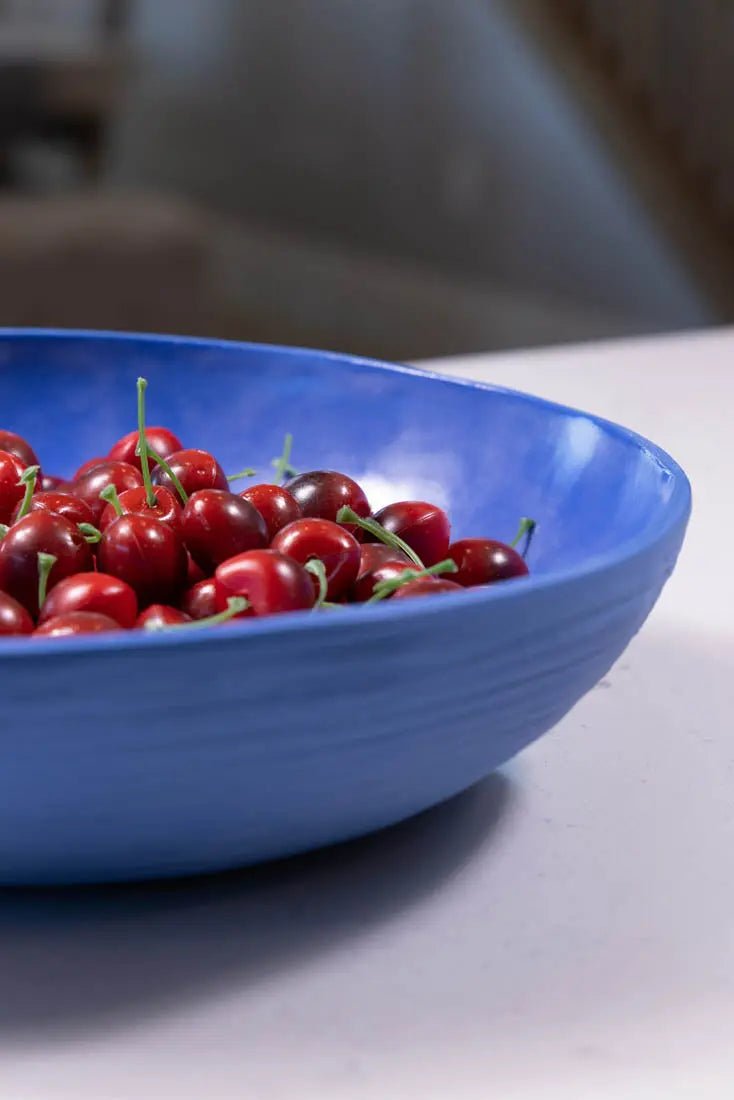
x,y
130,755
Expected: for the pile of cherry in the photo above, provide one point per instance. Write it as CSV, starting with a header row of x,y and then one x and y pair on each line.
x,y
151,536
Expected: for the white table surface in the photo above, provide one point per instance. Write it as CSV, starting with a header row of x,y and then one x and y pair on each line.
x,y
566,930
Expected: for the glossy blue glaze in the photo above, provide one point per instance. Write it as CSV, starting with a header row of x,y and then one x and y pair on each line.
x,y
134,755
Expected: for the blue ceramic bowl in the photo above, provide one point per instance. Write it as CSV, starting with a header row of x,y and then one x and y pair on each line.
x,y
134,755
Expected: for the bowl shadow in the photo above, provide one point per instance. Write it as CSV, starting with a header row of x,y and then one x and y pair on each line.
x,y
84,959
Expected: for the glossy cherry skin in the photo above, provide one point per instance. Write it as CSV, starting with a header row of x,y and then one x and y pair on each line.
x,y
147,554
120,474
35,533
160,615
321,493
269,580
193,573
167,507
277,506
200,600
50,483
11,489
216,525
96,592
60,504
386,571
89,464
309,538
484,561
160,440
194,469
425,586
375,554
14,444
14,619
76,622
425,527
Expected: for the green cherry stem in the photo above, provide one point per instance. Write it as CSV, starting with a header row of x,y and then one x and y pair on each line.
x,y
142,448
160,461
29,477
3,530
91,534
46,562
247,472
282,464
526,530
317,568
386,588
235,605
348,515
111,496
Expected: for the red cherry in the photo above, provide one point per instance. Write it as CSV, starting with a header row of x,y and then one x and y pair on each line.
x,y
484,561
193,573
216,525
60,504
425,527
194,469
275,504
40,532
11,489
160,614
134,502
50,483
76,622
365,584
14,444
160,440
90,464
269,580
425,586
120,474
96,592
14,619
200,600
305,539
375,554
321,493
146,553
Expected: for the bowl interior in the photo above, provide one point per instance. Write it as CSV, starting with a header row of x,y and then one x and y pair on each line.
x,y
489,456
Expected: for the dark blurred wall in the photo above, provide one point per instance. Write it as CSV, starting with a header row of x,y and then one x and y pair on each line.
x,y
436,130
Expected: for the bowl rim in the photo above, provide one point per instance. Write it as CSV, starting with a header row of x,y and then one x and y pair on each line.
x,y
676,514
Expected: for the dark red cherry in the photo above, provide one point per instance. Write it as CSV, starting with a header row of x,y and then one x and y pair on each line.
x,y
160,440
200,600
216,525
12,490
425,527
194,469
46,533
60,504
484,561
96,592
167,507
14,444
364,586
193,573
146,553
425,586
269,580
375,554
90,464
50,483
76,622
14,619
160,615
120,474
277,506
309,538
321,493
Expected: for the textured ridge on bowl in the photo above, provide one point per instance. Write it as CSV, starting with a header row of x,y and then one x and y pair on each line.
x,y
136,756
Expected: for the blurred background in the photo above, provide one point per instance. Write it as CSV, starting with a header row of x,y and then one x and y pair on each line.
x,y
393,177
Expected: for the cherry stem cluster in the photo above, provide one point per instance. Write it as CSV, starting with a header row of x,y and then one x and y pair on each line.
x,y
385,588
348,515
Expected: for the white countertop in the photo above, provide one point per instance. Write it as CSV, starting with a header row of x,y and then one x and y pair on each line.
x,y
565,931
